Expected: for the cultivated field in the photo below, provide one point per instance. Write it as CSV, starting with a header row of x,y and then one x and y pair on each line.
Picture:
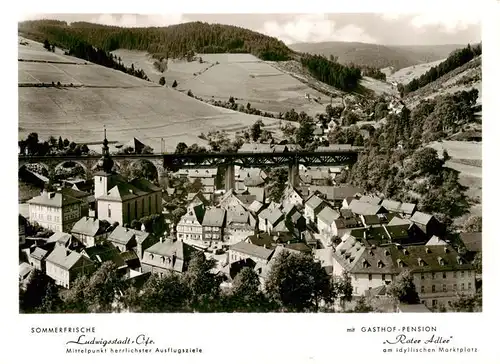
x,y
128,106
248,79
34,51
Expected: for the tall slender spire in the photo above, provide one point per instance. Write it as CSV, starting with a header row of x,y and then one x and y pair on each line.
x,y
105,164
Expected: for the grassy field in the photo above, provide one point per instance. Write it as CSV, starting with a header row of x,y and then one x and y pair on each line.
x,y
405,75
243,76
128,106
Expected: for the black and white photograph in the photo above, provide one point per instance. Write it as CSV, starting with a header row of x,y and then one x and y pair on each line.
x,y
236,164
214,185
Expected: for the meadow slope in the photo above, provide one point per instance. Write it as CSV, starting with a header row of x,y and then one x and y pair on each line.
x,y
128,106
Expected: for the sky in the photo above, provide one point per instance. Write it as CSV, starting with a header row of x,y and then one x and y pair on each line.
x,y
383,28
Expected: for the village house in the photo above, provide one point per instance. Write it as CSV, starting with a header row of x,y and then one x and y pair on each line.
x,y
37,258
166,256
292,197
56,211
90,231
126,239
272,219
325,219
122,201
213,226
239,225
374,200
61,239
427,223
404,209
336,194
190,229
312,206
106,252
64,266
244,251
473,244
364,208
206,177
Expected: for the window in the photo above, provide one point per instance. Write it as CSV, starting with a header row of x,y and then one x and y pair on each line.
x,y
463,286
109,210
433,288
422,289
383,277
454,286
454,274
422,276
470,273
470,286
434,303
433,275
462,274
369,277
444,274
444,287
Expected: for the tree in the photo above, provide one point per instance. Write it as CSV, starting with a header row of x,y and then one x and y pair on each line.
x,y
246,295
177,214
362,306
52,141
174,85
85,149
278,179
203,286
403,288
299,283
181,148
256,130
477,262
32,297
344,289
66,143
464,303
46,44
60,144
162,81
72,146
102,288
304,134
474,224
190,93
446,156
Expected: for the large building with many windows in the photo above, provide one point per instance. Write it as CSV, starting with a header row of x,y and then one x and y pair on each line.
x,y
439,272
56,211
122,201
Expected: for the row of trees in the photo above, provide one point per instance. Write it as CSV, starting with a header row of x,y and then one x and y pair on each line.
x,y
296,283
174,41
455,60
343,77
32,145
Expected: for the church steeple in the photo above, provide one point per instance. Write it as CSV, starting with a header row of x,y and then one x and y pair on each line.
x,y
105,164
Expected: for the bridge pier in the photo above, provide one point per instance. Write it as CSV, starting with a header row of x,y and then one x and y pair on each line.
x,y
293,174
229,179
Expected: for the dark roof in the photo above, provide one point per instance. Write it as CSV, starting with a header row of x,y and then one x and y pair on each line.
x,y
301,247
346,213
397,231
214,217
337,193
473,241
104,253
372,219
262,239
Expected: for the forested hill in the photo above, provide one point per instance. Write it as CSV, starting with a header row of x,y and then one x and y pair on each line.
x,y
171,42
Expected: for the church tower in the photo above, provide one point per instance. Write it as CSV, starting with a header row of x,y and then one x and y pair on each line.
x,y
104,167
